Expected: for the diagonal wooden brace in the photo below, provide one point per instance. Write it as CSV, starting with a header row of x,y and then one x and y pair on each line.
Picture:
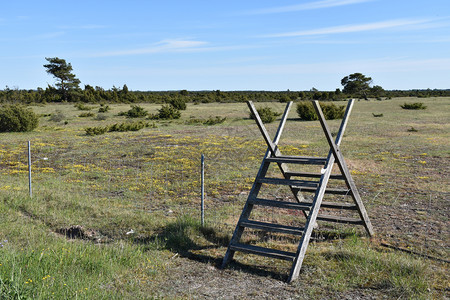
x,y
317,201
334,147
273,146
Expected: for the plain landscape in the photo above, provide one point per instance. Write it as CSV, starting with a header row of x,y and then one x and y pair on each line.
x,y
117,214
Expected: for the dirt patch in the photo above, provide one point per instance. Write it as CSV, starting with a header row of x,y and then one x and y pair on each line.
x,y
79,232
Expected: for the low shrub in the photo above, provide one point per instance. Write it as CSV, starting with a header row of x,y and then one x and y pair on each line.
x,y
101,117
122,127
17,118
58,116
81,106
215,120
103,108
332,111
86,115
96,130
136,111
178,103
415,105
119,127
306,111
167,112
210,121
266,114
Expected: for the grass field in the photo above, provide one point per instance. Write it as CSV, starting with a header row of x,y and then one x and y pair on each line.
x,y
117,215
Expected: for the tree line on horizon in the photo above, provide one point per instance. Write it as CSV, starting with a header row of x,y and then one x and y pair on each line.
x,y
67,89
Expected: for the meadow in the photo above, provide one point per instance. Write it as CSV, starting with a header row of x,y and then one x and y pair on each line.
x,y
117,215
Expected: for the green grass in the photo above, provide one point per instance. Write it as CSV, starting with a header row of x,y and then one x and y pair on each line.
x,y
148,181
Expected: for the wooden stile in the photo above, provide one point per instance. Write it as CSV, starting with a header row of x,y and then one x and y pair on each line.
x,y
310,208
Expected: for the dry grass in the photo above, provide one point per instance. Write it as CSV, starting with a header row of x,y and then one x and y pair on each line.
x,y
148,181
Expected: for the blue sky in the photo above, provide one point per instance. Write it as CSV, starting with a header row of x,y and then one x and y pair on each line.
x,y
227,45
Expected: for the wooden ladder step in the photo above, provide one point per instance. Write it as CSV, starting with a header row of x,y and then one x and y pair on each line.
x,y
272,227
336,205
327,191
274,253
290,182
307,160
302,205
312,175
336,219
280,204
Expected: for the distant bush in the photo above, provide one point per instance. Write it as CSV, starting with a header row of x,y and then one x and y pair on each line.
x,y
103,108
120,127
136,111
82,106
101,117
266,114
210,121
306,111
416,105
96,130
215,120
86,115
17,118
332,111
178,103
167,112
58,116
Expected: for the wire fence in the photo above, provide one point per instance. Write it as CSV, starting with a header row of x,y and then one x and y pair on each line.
x,y
160,173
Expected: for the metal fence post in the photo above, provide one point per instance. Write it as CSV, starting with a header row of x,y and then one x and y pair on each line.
x,y
29,169
203,190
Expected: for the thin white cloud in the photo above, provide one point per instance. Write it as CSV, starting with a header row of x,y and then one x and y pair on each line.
x,y
306,6
170,46
159,47
50,35
87,26
392,65
354,28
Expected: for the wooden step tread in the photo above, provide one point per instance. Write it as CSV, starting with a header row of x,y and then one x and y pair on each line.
x,y
272,227
302,205
280,204
263,251
327,190
339,205
309,160
290,182
336,205
312,175
338,219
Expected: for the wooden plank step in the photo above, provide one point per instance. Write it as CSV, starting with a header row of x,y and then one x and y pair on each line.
x,y
272,227
290,182
335,205
327,190
274,253
302,205
339,205
307,160
312,175
337,219
280,204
